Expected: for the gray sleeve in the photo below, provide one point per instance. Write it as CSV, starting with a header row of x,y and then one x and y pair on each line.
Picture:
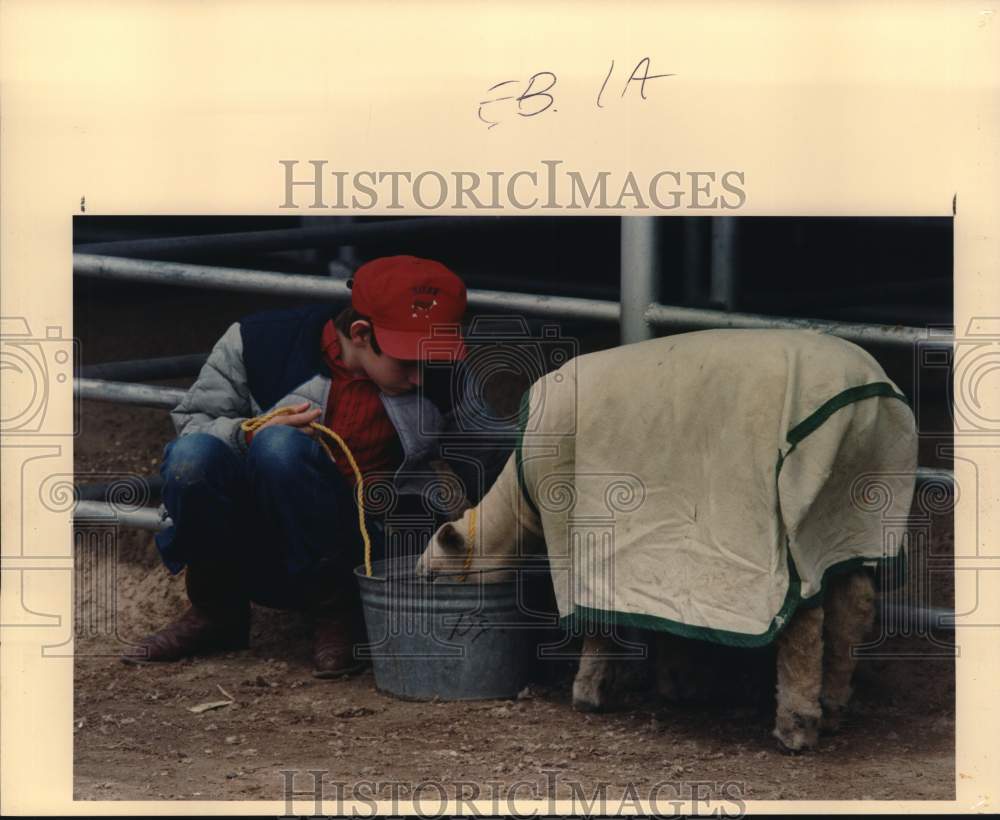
x,y
219,400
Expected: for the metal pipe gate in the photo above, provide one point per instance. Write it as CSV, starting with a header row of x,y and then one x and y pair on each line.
x,y
638,312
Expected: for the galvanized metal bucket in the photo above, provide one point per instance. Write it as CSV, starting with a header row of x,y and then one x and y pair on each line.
x,y
448,640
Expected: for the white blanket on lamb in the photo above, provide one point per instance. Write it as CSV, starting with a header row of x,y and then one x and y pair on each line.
x,y
705,483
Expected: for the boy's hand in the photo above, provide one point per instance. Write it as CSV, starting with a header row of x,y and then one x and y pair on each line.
x,y
301,418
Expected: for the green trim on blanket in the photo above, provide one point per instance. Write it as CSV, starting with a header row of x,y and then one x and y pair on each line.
x,y
583,615
895,565
842,399
793,597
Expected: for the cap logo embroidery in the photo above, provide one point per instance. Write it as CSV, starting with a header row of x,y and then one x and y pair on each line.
x,y
423,300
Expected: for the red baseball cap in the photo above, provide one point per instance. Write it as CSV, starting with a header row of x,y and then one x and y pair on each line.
x,y
415,306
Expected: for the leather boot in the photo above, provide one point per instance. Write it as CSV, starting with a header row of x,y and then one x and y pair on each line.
x,y
333,601
338,628
218,618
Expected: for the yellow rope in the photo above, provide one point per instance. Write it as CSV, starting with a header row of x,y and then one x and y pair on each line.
x,y
254,424
472,543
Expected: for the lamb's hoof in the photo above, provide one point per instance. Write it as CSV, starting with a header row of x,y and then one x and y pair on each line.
x,y
796,733
588,699
786,750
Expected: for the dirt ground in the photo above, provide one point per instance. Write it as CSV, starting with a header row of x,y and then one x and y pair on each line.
x,y
136,738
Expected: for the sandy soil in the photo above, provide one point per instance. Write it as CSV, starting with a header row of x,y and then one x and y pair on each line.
x,y
135,737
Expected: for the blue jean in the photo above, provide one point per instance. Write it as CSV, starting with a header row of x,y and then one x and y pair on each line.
x,y
283,517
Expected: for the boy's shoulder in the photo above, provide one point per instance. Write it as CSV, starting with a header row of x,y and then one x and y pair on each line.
x,y
281,350
306,314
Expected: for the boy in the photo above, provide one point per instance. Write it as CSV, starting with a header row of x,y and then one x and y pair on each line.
x,y
266,515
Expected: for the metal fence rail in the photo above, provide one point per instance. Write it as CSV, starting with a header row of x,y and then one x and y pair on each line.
x,y
137,370
205,277
675,318
145,395
653,315
144,518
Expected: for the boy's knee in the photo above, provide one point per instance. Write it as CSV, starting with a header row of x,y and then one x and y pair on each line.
x,y
279,451
194,458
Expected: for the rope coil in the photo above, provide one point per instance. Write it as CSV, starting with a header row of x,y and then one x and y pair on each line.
x,y
254,424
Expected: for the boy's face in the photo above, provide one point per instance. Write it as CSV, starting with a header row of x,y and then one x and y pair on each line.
x,y
394,377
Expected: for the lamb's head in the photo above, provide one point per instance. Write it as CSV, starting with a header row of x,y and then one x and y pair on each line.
x,y
486,541
447,552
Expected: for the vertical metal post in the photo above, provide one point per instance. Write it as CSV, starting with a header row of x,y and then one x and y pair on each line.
x,y
724,287
694,262
312,256
640,275
347,255
341,264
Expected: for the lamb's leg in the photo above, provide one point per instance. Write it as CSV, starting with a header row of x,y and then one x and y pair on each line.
x,y
800,676
850,612
592,687
676,678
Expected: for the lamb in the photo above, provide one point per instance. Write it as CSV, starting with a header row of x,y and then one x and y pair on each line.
x,y
814,661
783,461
